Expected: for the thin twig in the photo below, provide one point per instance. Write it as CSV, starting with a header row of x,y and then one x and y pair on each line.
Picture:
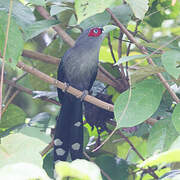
x,y
111,49
47,148
11,87
149,170
29,91
10,100
154,52
4,55
120,53
143,50
132,146
129,47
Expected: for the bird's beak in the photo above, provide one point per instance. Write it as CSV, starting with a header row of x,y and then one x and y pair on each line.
x,y
108,28
102,30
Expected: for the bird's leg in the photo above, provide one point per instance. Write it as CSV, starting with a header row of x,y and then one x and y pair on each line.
x,y
85,93
66,86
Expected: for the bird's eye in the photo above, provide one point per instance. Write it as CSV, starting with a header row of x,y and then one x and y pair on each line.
x,y
95,31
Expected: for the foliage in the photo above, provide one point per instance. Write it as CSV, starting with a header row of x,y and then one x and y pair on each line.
x,y
145,113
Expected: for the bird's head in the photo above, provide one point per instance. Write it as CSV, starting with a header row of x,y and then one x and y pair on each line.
x,y
91,36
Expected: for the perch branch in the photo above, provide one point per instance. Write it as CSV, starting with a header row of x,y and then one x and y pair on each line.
x,y
62,86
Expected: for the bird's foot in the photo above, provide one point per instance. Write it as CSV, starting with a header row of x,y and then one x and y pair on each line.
x,y
66,86
84,94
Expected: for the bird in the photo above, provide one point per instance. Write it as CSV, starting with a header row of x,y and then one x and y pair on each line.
x,y
78,68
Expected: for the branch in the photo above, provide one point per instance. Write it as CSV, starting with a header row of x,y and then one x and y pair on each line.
x,y
102,75
40,56
47,148
143,50
111,48
10,100
132,146
15,79
4,55
57,28
29,91
120,53
63,86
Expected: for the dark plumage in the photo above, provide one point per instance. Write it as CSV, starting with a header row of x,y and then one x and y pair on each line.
x,y
78,68
96,116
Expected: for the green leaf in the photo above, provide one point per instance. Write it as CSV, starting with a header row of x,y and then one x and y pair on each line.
x,y
20,148
79,168
37,2
38,27
130,58
36,132
23,171
162,135
123,13
160,172
105,55
139,7
169,60
165,107
113,167
145,72
165,157
172,155
13,116
176,117
85,8
22,14
125,151
157,13
173,174
109,28
55,9
48,164
100,19
144,101
141,145
14,50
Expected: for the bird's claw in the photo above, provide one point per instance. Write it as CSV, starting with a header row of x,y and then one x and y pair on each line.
x,y
66,86
84,94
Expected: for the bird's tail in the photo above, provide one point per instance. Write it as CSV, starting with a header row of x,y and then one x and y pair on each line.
x,y
69,130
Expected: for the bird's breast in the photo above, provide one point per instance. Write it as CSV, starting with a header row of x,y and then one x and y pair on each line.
x,y
80,72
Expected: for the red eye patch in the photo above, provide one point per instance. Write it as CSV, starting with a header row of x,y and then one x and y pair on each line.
x,y
95,32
